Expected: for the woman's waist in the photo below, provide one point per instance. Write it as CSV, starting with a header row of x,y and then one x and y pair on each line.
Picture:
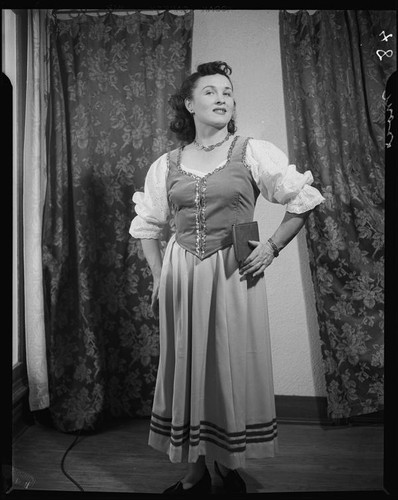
x,y
204,240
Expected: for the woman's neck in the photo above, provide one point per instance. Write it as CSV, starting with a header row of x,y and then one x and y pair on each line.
x,y
207,136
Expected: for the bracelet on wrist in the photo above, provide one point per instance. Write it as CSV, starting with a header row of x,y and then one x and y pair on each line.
x,y
274,247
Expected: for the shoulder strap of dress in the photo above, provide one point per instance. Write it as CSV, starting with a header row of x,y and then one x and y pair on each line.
x,y
246,165
172,157
240,149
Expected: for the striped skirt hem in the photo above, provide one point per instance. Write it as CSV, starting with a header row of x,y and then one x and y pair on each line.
x,y
187,441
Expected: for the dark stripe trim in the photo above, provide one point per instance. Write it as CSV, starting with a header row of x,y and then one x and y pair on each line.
x,y
235,438
258,426
249,427
171,427
204,436
166,431
232,434
229,447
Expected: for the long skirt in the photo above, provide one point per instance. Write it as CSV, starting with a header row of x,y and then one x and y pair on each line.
x,y
214,390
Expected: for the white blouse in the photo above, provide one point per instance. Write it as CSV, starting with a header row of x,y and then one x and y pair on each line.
x,y
278,181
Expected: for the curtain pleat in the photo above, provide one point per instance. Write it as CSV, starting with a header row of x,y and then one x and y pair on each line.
x,y
34,186
335,67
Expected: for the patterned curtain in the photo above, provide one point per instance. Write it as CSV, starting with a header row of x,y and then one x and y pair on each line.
x,y
335,68
110,80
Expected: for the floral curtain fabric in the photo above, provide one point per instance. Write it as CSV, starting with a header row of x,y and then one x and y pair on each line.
x,y
335,68
110,80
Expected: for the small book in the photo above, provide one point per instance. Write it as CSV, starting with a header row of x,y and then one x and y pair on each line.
x,y
241,234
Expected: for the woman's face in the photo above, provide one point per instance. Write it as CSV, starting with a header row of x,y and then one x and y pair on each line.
x,y
212,101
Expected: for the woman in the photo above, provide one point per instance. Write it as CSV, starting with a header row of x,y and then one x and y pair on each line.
x,y
214,391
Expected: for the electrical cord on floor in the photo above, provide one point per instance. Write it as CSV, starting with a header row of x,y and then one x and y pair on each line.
x,y
63,461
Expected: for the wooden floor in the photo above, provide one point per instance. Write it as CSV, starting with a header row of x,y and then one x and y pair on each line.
x,y
311,458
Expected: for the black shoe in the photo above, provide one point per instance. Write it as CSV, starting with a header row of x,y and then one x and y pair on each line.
x,y
232,482
202,486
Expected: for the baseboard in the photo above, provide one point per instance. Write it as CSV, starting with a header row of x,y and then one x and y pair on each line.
x,y
301,409
313,410
289,409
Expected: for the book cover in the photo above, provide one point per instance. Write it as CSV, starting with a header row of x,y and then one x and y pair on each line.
x,y
241,234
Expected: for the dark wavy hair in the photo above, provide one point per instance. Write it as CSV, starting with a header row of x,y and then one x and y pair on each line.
x,y
183,124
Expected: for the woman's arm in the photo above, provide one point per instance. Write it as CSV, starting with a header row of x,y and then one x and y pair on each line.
x,y
151,249
289,228
263,253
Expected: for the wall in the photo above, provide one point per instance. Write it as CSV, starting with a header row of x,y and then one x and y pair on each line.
x,y
248,40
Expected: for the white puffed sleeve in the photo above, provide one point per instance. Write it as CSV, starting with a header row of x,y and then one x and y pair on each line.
x,y
279,181
151,206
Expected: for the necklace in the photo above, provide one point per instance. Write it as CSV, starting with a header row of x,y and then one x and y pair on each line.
x,y
210,148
